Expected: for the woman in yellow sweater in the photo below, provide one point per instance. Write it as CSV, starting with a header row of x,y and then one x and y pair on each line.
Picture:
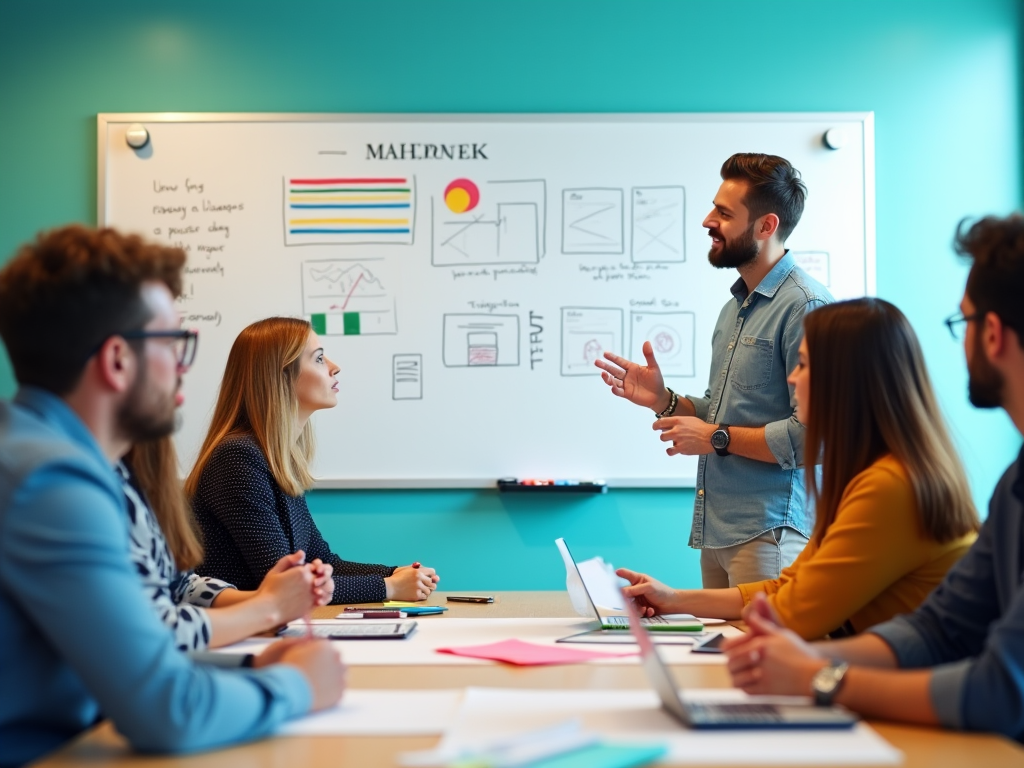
x,y
894,511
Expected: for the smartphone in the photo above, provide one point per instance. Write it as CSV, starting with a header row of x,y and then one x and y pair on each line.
x,y
470,599
711,644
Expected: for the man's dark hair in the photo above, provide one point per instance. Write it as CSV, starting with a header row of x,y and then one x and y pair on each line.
x,y
775,187
996,281
63,295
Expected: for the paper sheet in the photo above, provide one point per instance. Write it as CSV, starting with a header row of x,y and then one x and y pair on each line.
x,y
381,713
635,716
433,632
529,654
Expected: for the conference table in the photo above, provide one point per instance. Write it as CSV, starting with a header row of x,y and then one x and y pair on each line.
x,y
103,746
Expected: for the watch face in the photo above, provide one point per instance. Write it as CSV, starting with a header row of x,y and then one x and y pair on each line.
x,y
719,438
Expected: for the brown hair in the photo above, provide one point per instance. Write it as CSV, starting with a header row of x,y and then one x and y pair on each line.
x,y
996,249
154,463
775,187
871,396
63,295
257,397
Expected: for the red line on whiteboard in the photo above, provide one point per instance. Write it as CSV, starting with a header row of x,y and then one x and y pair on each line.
x,y
352,291
348,181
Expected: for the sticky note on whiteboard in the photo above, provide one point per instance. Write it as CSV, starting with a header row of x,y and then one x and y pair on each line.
x,y
407,377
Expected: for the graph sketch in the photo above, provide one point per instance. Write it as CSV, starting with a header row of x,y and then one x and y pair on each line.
x,y
592,221
342,298
496,222
672,336
658,217
349,210
587,333
472,341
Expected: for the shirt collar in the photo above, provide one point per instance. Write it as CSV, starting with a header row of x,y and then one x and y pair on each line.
x,y
59,416
770,283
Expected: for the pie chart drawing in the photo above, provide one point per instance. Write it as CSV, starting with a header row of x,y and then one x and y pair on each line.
x,y
461,196
671,335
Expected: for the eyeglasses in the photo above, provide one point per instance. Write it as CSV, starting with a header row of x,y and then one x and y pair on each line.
x,y
958,323
184,342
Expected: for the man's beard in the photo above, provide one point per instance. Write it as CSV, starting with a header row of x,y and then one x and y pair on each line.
x,y
143,417
738,253
984,383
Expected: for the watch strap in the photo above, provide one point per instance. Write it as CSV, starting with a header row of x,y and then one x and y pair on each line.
x,y
722,451
827,682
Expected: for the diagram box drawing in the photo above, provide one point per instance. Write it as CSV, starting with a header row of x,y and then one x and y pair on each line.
x,y
815,264
407,377
672,335
592,221
472,341
587,333
342,298
659,215
324,210
503,224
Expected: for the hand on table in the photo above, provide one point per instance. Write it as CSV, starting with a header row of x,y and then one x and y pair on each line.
x,y
771,658
317,660
640,384
411,583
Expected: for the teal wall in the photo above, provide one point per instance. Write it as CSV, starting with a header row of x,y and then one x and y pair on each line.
x,y
942,76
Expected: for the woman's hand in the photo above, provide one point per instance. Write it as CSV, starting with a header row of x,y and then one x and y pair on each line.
x,y
288,588
323,581
651,596
411,584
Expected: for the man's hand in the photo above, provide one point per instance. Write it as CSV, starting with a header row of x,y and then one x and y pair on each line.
x,y
771,659
640,384
689,435
651,596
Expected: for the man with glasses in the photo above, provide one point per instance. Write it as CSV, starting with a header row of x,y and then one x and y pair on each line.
x,y
89,322
958,660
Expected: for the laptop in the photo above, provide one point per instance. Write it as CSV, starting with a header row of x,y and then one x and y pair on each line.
x,y
355,630
672,623
712,715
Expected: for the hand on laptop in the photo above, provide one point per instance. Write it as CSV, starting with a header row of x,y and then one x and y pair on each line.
x,y
771,658
651,596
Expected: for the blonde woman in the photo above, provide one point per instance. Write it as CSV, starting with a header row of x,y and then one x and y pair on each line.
x,y
202,612
894,511
247,487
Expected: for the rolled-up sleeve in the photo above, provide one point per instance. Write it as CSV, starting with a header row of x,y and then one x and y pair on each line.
x,y
785,437
701,404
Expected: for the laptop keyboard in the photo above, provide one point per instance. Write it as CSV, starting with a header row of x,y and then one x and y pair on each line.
x,y
623,621
730,713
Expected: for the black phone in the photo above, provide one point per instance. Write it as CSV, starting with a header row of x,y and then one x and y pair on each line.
x,y
470,599
711,644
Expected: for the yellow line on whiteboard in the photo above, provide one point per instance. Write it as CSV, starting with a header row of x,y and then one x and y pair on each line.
x,y
346,198
348,221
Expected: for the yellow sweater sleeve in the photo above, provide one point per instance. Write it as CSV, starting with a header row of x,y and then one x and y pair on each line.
x,y
873,541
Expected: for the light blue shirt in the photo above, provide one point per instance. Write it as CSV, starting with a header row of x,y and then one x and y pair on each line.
x,y
79,639
754,347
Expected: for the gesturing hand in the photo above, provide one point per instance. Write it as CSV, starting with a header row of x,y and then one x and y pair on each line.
x,y
640,384
689,435
651,595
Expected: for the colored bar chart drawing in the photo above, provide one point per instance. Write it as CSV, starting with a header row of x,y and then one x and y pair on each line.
x,y
349,210
345,299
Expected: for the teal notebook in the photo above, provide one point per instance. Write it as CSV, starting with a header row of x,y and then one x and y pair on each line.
x,y
603,755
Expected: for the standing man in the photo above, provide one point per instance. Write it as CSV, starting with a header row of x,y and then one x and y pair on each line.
x,y
89,322
958,660
750,518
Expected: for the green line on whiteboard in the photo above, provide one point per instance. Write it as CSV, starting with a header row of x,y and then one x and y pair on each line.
x,y
319,323
351,323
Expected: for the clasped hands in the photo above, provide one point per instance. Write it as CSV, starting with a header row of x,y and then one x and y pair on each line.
x,y
644,385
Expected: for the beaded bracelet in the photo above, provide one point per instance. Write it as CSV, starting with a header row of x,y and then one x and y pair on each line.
x,y
672,403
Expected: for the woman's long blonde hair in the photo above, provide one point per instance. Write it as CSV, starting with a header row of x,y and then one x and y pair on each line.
x,y
871,396
154,464
257,397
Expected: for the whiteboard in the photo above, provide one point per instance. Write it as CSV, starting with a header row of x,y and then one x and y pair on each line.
x,y
465,270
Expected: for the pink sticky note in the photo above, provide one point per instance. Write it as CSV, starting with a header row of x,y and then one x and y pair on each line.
x,y
529,654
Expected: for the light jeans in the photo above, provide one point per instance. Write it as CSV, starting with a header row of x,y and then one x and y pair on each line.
x,y
755,560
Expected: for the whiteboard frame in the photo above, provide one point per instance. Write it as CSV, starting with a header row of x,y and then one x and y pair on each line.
x,y
867,120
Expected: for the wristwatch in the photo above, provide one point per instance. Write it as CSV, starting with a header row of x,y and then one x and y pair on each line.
x,y
826,683
720,440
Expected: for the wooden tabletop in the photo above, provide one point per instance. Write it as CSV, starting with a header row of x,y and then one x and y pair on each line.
x,y
102,746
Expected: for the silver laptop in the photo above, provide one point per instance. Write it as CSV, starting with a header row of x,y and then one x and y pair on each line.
x,y
677,623
748,714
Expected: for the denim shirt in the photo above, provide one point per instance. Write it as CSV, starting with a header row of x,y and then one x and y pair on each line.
x,y
970,630
79,638
754,347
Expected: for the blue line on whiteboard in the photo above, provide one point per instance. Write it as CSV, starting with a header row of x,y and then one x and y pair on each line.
x,y
349,231
351,205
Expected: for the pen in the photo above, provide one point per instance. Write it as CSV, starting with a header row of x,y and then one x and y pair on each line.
x,y
374,615
416,564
